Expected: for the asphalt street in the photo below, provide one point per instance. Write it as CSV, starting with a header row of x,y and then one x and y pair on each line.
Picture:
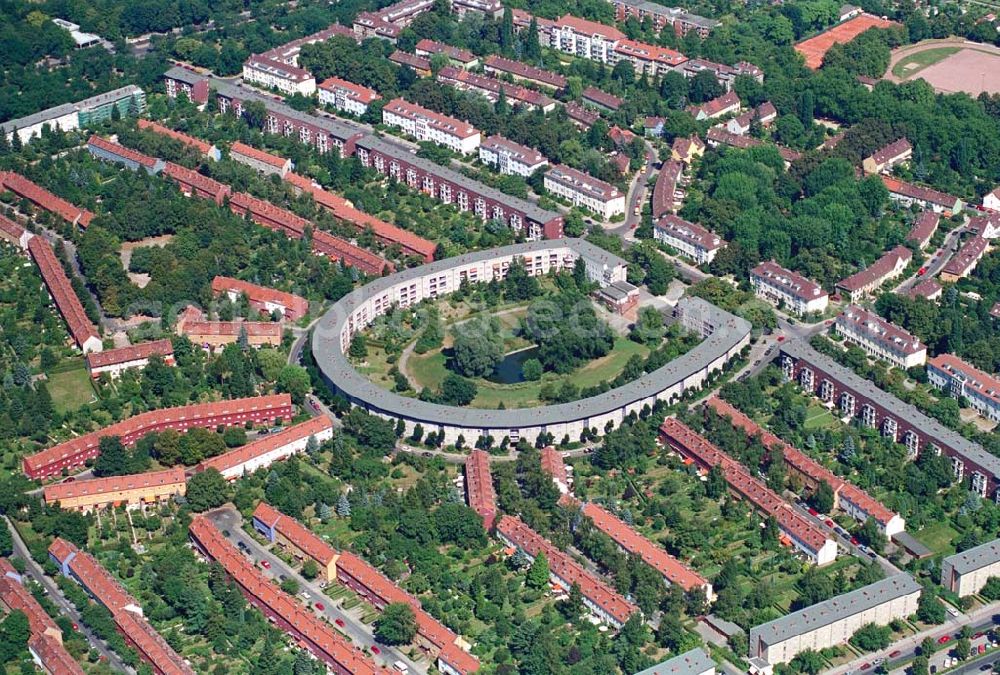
x,y
227,519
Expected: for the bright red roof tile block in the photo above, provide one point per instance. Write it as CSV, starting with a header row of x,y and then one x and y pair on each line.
x,y
672,569
342,209
60,492
236,411
358,93
192,182
121,151
84,332
444,123
316,635
258,155
293,307
766,500
565,568
804,464
877,271
479,487
552,464
11,228
295,532
924,227
190,141
14,595
143,350
266,444
44,199
54,656
151,645
326,244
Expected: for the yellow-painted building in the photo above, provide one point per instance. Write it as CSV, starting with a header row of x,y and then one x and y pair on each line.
x,y
134,490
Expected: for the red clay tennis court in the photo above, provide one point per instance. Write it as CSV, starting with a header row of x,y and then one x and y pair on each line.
x,y
815,48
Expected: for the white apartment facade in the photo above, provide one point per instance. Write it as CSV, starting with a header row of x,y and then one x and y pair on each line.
x,y
692,240
510,158
967,572
880,338
283,77
346,96
427,125
585,39
585,191
777,285
963,380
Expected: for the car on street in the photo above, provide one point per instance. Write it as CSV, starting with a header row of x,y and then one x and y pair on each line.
x,y
944,639
922,271
895,654
982,649
813,512
854,541
866,666
226,533
319,606
339,622
376,650
76,626
69,480
829,522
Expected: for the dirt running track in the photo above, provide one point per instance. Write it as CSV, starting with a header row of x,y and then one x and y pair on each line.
x,y
974,69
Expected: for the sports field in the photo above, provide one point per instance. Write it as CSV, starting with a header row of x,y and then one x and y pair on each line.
x,y
951,65
815,48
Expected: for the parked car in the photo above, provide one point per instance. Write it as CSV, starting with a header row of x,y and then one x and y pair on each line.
x,y
265,564
376,650
813,512
895,654
339,622
830,523
854,541
320,606
866,666
944,639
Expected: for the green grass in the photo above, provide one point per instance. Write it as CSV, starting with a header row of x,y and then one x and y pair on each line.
x,y
70,389
938,537
818,416
914,63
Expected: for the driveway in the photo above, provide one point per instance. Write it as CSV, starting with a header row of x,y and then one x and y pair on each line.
x,y
228,519
66,607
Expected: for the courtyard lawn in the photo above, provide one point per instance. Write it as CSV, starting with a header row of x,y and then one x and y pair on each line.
x,y
920,60
70,388
818,416
938,537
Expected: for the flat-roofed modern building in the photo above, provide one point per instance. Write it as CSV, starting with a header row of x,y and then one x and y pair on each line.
x,y
880,338
694,662
129,100
780,286
840,387
585,191
832,622
967,572
963,380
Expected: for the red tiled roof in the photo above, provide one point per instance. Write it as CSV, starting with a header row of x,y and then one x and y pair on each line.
x,y
716,105
984,384
924,227
433,47
579,181
54,656
258,155
14,595
11,228
740,481
690,232
963,261
321,638
429,628
577,112
62,292
879,330
792,282
523,154
803,463
924,194
137,352
636,544
297,533
94,487
925,289
479,487
294,303
252,328
358,93
585,27
877,271
484,83
896,149
647,52
411,60
151,645
274,405
552,464
121,151
602,98
326,244
197,181
448,125
567,569
386,232
95,578
525,71
190,141
44,199
719,134
264,213
265,444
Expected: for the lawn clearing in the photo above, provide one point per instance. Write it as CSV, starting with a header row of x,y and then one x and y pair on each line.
x,y
70,389
818,416
938,537
920,60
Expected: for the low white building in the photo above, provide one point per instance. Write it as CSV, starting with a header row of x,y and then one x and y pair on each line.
x,y
115,361
586,191
509,157
268,449
267,72
880,338
780,286
991,200
346,96
692,240
967,572
833,622
427,125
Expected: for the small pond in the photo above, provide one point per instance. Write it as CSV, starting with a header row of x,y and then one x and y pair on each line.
x,y
508,371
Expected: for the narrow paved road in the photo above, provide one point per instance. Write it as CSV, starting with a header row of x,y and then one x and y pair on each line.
x,y
229,520
65,606
948,248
